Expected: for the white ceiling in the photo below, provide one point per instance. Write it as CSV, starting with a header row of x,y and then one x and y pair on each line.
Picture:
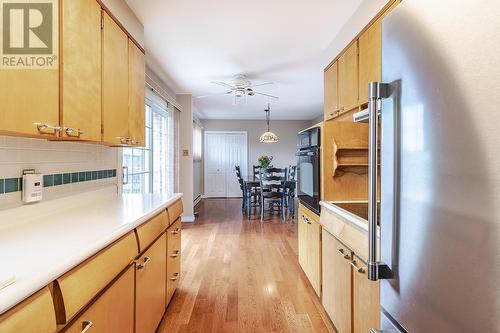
x,y
199,41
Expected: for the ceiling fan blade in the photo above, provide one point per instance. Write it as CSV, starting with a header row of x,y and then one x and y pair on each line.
x,y
219,94
261,84
224,84
258,93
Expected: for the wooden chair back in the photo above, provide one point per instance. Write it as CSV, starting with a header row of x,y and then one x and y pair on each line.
x,y
273,182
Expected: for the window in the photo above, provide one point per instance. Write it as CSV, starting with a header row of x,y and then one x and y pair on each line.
x,y
151,168
197,141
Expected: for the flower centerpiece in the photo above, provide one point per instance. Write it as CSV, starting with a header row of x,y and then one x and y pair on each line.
x,y
265,161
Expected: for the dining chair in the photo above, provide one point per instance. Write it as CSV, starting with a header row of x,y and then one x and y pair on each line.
x,y
242,187
273,189
291,185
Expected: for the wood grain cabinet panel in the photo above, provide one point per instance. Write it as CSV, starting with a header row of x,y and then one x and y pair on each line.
x,y
34,315
366,299
136,95
81,69
337,282
150,230
331,104
175,211
370,58
115,82
77,287
113,311
348,78
174,233
309,236
151,287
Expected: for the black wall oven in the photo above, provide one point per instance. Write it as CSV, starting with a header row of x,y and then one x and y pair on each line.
x,y
308,169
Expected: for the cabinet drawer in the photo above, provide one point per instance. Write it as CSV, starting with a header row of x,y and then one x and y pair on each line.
x,y
113,311
175,211
150,230
173,275
34,315
76,288
174,231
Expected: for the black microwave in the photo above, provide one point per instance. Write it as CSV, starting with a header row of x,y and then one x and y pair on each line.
x,y
308,139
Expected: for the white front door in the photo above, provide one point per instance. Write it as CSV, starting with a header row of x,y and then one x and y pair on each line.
x,y
223,151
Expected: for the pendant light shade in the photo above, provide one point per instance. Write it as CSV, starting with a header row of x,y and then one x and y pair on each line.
x,y
268,137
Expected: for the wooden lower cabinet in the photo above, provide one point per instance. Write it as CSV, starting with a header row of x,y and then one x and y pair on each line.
x,y
113,311
337,282
150,287
366,299
309,238
174,233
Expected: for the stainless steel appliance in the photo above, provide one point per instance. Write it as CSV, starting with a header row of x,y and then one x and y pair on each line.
x,y
439,262
308,168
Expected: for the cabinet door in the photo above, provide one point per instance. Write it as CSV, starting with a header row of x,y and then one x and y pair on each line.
x,y
174,233
28,97
337,283
314,254
136,95
348,78
370,58
113,311
114,82
151,287
81,69
366,300
331,93
302,239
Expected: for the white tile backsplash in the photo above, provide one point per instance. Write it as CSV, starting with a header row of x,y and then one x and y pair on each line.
x,y
51,157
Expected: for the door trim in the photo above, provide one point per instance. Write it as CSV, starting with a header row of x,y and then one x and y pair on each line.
x,y
205,133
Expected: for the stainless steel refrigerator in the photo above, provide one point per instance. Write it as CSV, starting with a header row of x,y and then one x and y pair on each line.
x,y
439,105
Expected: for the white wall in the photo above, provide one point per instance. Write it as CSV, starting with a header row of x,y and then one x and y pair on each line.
x,y
282,151
186,162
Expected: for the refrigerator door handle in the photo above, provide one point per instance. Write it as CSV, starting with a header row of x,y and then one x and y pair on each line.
x,y
376,270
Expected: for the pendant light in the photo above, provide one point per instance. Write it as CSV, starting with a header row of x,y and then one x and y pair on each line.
x,y
268,137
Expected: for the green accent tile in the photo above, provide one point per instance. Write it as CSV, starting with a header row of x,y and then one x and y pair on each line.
x,y
114,172
74,177
58,179
105,174
66,178
88,175
11,185
99,174
94,175
1,186
81,177
48,180
110,173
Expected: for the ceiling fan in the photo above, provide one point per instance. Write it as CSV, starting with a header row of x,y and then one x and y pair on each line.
x,y
240,87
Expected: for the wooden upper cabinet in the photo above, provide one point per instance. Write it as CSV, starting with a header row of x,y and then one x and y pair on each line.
x,y
366,300
115,83
331,104
337,283
348,78
370,58
81,70
151,280
136,95
34,315
28,97
113,311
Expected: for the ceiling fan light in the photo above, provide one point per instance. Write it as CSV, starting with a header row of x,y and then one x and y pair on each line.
x,y
269,137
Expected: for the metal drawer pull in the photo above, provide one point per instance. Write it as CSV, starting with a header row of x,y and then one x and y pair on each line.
x,y
144,263
123,140
359,269
346,256
175,277
44,127
175,232
175,254
74,132
86,325
134,142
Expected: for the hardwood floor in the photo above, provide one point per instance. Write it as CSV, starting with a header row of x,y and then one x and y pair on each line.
x,y
239,275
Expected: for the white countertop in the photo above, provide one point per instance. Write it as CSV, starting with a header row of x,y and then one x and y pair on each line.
x,y
355,220
39,243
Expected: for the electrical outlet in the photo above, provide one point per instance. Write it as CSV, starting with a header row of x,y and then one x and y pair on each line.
x,y
185,152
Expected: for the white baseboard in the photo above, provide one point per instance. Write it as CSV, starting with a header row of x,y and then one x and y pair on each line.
x,y
188,219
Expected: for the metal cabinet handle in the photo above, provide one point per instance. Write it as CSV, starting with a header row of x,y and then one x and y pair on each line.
x,y
376,92
134,142
345,256
124,175
42,128
175,254
174,277
86,325
144,263
176,231
357,268
74,132
123,140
